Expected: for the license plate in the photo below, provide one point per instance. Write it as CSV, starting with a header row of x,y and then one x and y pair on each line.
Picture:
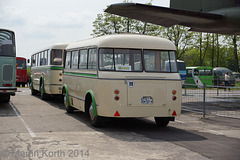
x,y
147,100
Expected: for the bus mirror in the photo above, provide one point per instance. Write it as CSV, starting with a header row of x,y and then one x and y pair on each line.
x,y
28,60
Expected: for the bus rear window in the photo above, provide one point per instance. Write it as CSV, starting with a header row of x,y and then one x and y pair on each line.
x,y
56,57
160,61
120,60
7,44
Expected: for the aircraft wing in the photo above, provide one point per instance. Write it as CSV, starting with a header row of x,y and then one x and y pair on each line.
x,y
197,21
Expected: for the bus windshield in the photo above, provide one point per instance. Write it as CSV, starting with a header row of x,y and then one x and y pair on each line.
x,y
131,60
21,64
7,44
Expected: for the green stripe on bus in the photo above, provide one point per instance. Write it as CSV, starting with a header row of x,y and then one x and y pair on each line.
x,y
56,68
81,74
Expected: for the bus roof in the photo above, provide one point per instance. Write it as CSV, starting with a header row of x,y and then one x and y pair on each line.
x,y
200,67
134,41
2,29
53,46
20,58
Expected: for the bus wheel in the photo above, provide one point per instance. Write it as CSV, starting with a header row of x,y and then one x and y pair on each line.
x,y
42,94
6,98
69,108
95,120
33,91
161,121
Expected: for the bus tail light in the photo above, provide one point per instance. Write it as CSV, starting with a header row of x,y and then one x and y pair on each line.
x,y
116,98
174,98
60,80
7,85
174,92
60,74
116,91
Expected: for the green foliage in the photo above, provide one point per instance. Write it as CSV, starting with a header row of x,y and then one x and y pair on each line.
x,y
196,49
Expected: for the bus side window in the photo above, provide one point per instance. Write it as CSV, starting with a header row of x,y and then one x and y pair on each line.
x,y
75,56
83,59
195,72
68,60
189,73
92,59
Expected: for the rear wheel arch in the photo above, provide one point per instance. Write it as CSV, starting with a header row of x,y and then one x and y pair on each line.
x,y
88,99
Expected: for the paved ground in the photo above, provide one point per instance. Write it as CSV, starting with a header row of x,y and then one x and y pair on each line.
x,y
32,129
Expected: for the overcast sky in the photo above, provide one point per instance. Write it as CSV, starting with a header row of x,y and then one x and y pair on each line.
x,y
39,23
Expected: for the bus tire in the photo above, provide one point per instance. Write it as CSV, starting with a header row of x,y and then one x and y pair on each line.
x,y
6,98
95,120
42,94
68,108
162,121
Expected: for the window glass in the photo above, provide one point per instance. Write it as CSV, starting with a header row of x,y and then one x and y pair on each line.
x,y
165,61
68,60
74,60
33,60
195,72
92,59
106,59
189,73
83,59
38,59
43,59
152,60
21,64
7,43
173,61
56,56
127,60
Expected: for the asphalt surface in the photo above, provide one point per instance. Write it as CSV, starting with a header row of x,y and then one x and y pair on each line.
x,y
31,129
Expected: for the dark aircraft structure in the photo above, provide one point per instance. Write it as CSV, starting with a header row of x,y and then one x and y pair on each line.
x,y
213,16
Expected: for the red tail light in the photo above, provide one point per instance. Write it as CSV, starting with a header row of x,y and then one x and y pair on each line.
x,y
116,98
7,85
174,98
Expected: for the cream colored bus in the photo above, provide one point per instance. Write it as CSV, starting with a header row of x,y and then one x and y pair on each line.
x,y
46,70
123,75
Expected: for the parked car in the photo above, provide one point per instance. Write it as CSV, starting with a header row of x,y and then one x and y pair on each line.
x,y
237,76
219,73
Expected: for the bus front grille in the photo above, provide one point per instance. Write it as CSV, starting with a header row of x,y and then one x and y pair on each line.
x,y
7,72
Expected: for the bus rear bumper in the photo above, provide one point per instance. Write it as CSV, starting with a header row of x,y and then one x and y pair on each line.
x,y
8,90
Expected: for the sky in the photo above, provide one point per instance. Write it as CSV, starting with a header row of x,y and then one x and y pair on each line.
x,y
40,23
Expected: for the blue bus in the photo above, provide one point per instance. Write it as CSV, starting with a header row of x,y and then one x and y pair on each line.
x,y
182,70
7,65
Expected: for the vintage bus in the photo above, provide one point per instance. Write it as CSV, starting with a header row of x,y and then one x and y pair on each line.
x,y
7,65
200,75
122,75
46,71
21,76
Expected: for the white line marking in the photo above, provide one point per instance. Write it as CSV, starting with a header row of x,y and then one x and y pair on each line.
x,y
20,117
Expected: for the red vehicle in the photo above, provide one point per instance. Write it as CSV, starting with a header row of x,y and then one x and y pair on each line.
x,y
21,76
